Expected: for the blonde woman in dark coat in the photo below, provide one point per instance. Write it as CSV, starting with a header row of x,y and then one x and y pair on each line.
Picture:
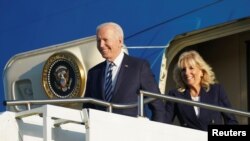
x,y
196,81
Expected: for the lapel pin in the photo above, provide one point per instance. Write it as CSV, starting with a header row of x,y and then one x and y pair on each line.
x,y
126,66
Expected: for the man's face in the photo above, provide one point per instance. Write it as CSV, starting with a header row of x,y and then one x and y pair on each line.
x,y
109,43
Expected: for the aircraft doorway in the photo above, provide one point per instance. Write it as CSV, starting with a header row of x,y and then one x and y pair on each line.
x,y
227,53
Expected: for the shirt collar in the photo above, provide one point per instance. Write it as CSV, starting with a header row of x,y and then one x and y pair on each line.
x,y
118,60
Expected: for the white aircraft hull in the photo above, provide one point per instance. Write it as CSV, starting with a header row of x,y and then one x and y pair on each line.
x,y
56,123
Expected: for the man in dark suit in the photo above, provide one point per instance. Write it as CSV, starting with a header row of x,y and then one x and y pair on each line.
x,y
129,75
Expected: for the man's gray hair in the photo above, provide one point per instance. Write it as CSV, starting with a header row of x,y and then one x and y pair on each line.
x,y
115,25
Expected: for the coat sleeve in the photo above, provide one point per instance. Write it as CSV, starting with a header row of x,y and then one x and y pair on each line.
x,y
88,93
170,109
148,83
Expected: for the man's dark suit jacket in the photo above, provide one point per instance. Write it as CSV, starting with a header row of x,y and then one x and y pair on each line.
x,y
186,114
134,75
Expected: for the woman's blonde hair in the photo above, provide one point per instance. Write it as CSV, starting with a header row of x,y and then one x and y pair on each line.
x,y
193,58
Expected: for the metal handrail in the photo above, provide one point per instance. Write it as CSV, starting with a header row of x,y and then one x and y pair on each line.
x,y
139,104
58,101
108,105
188,102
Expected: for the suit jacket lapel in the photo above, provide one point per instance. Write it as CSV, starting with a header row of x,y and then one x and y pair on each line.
x,y
121,74
102,79
203,99
203,112
190,109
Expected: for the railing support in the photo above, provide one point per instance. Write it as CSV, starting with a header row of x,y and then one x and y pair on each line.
x,y
140,104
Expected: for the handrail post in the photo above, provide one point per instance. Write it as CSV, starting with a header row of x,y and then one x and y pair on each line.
x,y
28,106
140,104
109,108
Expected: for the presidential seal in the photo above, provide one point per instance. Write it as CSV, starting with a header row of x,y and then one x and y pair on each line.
x,y
63,76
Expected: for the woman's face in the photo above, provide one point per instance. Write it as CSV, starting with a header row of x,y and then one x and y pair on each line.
x,y
191,75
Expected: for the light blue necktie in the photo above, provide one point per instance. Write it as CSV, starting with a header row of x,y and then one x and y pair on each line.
x,y
108,83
